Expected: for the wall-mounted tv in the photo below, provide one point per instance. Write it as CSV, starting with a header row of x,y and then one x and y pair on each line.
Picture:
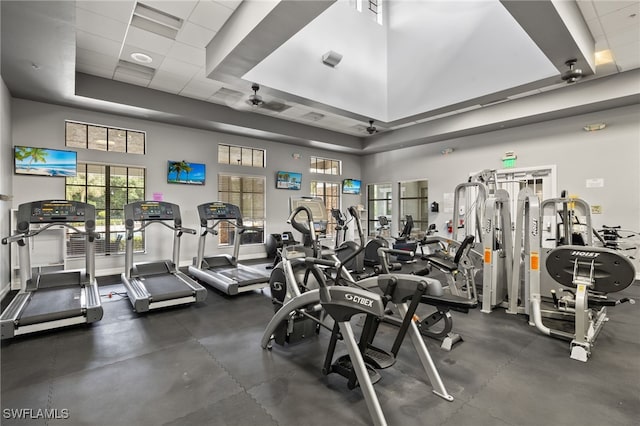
x,y
185,172
44,161
351,186
288,180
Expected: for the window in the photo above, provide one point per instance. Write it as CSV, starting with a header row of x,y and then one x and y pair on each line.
x,y
108,188
414,201
102,138
372,8
325,166
378,204
330,193
246,192
241,156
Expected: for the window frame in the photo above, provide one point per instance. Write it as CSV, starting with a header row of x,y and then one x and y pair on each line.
x,y
419,223
250,154
372,218
108,130
314,169
109,231
224,231
331,224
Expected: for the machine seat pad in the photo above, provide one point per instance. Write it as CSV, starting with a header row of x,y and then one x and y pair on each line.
x,y
457,303
442,263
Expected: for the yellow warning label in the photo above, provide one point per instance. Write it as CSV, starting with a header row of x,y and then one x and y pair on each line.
x,y
487,255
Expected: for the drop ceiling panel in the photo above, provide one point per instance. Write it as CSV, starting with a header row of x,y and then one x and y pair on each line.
x,y
96,43
195,35
119,10
621,19
210,15
148,41
168,82
100,25
96,59
181,9
185,53
179,68
231,4
628,56
623,37
608,6
94,70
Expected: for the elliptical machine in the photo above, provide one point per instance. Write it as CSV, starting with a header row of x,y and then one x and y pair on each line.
x,y
344,248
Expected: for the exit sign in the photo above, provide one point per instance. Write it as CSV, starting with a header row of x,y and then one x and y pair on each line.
x,y
508,163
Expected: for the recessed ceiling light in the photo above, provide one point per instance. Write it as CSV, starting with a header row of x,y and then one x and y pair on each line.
x,y
594,127
603,57
141,57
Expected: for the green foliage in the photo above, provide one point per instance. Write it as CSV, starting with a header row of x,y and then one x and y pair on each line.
x,y
38,155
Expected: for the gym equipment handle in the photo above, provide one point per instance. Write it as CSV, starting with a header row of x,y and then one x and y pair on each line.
x,y
322,262
395,252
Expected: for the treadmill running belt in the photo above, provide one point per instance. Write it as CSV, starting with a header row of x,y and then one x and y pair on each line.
x,y
50,304
242,276
165,287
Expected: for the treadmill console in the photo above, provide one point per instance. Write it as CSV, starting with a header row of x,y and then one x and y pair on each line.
x,y
219,210
151,210
52,211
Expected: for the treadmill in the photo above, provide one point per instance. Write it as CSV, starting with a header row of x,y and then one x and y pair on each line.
x,y
153,285
223,271
55,299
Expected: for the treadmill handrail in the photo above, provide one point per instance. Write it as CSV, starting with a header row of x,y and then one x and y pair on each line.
x,y
173,228
33,232
241,228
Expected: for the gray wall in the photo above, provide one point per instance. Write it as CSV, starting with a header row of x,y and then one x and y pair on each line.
x,y
612,154
6,175
40,124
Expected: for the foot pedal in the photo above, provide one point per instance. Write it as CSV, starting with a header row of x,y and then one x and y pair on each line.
x,y
343,366
378,358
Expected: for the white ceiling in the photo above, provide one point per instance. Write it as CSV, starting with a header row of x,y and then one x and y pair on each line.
x,y
439,71
439,54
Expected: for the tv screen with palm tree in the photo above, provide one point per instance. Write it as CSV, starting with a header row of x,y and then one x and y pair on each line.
x,y
44,161
351,186
288,180
185,172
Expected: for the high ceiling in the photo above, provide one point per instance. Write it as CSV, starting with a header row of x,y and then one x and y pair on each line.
x,y
423,70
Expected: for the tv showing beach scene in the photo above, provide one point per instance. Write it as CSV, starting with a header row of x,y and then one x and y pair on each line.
x,y
44,161
351,186
288,180
185,172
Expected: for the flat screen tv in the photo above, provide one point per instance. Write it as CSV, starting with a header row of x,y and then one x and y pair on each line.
x,y
185,172
351,186
288,180
44,161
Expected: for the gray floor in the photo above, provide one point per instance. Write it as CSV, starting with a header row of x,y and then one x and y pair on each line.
x,y
202,365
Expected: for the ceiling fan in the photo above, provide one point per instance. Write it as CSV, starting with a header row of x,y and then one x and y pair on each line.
x,y
371,129
572,74
255,100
